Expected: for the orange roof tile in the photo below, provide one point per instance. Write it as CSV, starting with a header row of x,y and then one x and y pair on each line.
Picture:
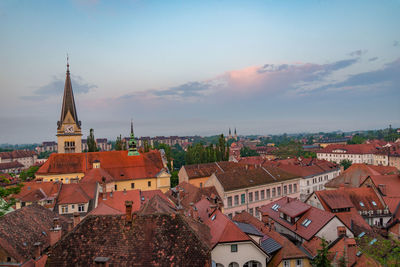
x,y
34,191
116,200
350,149
77,193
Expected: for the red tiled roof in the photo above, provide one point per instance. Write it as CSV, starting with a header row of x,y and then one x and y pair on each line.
x,y
319,218
207,169
305,167
334,199
354,221
117,163
96,175
356,174
10,165
77,193
34,191
288,250
116,200
350,149
312,246
222,229
16,154
294,208
104,209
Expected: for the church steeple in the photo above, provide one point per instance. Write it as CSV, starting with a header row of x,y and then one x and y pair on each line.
x,y
68,102
132,150
69,131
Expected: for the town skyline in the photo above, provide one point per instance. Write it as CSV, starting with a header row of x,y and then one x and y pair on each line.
x,y
259,67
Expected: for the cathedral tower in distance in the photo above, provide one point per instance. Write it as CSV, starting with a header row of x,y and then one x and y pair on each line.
x,y
69,133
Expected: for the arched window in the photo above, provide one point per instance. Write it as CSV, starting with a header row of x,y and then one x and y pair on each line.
x,y
233,264
252,264
220,265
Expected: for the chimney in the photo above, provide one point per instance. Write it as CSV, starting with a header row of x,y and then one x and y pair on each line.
x,y
55,232
265,218
272,225
77,218
38,250
128,211
382,188
351,251
102,261
341,231
104,188
70,225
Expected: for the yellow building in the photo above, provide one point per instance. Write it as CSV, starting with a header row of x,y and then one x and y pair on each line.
x,y
69,133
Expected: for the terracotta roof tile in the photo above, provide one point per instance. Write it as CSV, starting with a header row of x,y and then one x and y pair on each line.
x,y
16,154
77,193
350,149
207,169
35,191
10,165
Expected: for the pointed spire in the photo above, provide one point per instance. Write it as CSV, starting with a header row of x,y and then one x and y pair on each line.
x,y
68,101
132,150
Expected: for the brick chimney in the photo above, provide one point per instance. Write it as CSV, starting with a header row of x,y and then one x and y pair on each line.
x,y
351,251
55,232
265,218
102,261
128,211
77,218
341,231
38,250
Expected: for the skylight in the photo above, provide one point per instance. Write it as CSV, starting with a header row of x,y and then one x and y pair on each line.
x,y
361,204
306,222
373,241
361,235
213,217
374,203
275,207
359,253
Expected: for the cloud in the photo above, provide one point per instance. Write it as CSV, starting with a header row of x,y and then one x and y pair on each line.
x,y
358,53
56,88
372,59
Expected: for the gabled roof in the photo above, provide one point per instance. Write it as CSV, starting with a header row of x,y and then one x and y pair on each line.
x,y
356,173
10,165
319,218
350,149
243,178
77,193
117,199
190,193
97,175
104,209
150,240
22,228
116,163
35,191
222,229
334,199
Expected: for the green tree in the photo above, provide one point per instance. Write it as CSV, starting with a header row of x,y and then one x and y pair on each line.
x,y
6,192
346,163
356,139
174,178
321,259
29,174
146,146
120,144
247,152
91,142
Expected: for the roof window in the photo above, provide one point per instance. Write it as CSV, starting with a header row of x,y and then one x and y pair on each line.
x,y
306,222
358,253
362,204
374,203
373,241
275,207
361,235
213,217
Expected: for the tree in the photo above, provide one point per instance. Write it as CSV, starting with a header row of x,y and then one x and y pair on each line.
x,y
120,144
174,178
346,163
91,142
247,152
28,174
146,146
321,259
356,139
5,192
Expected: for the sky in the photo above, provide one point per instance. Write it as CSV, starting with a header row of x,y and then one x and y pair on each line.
x,y
199,67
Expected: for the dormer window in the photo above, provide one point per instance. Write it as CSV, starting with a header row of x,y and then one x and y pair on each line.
x,y
374,203
362,204
275,207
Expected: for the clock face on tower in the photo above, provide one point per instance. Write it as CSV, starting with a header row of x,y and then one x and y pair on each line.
x,y
69,129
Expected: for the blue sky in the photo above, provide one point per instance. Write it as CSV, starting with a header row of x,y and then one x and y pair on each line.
x,y
199,67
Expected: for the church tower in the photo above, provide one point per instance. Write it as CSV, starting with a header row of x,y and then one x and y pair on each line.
x,y
132,150
69,133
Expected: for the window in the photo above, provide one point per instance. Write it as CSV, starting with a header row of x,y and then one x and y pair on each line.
x,y
361,204
72,206
132,185
149,183
286,263
230,216
306,222
275,207
233,264
299,263
308,182
251,211
290,189
251,197
257,213
262,194
234,248
273,192
236,200
115,187
279,191
229,201
64,209
242,198
256,196
374,203
285,190
81,207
